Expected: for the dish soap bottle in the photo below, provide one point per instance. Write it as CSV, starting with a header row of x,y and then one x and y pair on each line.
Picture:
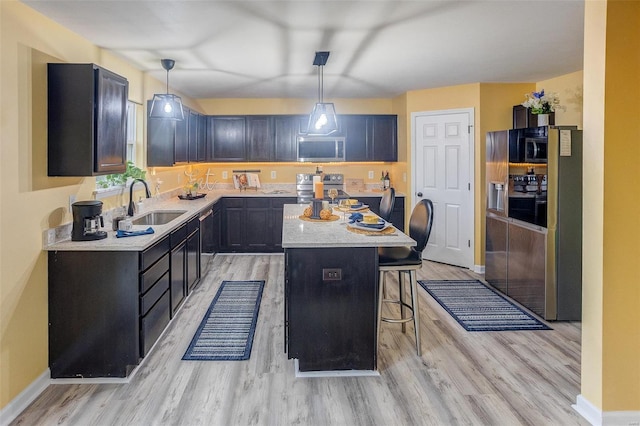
x,y
387,181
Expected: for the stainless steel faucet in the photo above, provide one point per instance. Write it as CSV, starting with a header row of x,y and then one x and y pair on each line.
x,y
132,206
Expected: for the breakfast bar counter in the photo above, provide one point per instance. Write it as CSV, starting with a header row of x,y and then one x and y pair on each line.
x,y
331,282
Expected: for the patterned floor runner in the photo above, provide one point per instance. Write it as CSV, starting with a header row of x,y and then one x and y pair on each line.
x,y
479,308
227,329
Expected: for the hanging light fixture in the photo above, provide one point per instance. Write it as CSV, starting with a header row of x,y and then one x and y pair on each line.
x,y
165,105
322,120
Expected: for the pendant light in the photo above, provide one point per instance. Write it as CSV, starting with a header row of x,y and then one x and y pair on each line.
x,y
322,120
165,105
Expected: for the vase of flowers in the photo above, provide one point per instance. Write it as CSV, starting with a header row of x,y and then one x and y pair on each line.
x,y
542,103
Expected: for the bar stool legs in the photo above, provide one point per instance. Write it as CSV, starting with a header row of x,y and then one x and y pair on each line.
x,y
405,308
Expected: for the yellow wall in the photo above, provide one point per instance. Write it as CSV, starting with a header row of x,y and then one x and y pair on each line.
x,y
611,307
569,89
30,200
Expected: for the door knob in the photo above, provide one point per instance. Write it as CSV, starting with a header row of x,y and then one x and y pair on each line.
x,y
419,194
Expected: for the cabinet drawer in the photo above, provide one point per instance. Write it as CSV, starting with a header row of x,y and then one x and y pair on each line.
x,y
154,293
258,202
233,202
153,274
179,235
153,253
152,324
193,224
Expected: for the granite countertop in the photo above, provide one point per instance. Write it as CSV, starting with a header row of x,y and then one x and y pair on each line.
x,y
298,233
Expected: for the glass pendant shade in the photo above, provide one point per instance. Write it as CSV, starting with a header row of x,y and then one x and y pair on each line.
x,y
323,120
166,105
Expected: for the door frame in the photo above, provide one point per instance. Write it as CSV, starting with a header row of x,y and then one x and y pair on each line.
x,y
472,193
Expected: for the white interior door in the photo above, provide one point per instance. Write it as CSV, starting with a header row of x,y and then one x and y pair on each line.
x,y
443,173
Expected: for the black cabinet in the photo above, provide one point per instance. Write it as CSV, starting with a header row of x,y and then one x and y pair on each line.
x,y
193,254
87,120
330,324
181,139
178,266
162,148
397,215
286,131
260,138
197,141
370,137
253,224
226,140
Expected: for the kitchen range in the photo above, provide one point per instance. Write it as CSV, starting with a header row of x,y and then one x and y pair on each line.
x,y
304,186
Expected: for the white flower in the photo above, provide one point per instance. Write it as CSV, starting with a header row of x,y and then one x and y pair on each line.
x,y
541,103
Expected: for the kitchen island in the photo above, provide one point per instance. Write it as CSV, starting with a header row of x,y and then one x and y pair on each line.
x,y
331,282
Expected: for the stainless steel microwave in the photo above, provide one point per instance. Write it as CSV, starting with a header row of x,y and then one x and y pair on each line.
x,y
321,149
535,150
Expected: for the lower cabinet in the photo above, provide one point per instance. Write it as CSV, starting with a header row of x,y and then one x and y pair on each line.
x,y
108,308
252,224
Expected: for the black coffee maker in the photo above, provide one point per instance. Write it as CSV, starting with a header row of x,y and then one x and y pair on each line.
x,y
87,221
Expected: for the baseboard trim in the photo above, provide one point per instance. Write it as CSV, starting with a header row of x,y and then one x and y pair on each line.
x,y
597,417
24,398
478,269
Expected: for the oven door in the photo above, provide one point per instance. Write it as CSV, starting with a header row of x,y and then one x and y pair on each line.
x,y
535,150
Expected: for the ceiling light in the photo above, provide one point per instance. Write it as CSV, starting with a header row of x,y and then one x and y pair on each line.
x,y
165,105
323,120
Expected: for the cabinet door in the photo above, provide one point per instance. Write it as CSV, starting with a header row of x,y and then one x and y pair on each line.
x,y
178,276
260,141
181,137
111,122
161,134
383,143
257,224
355,132
227,138
202,138
232,224
193,260
286,130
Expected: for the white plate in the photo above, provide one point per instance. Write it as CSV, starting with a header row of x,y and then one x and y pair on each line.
x,y
357,225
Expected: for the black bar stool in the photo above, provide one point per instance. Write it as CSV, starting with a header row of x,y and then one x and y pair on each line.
x,y
406,260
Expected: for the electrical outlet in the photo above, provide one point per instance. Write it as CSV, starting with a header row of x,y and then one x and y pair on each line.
x,y
331,274
51,236
404,176
72,199
370,174
273,174
225,175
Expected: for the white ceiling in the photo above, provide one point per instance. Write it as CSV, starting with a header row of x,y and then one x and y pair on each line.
x,y
265,49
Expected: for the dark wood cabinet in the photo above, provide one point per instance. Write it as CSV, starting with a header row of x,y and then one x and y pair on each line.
x,y
87,120
108,308
370,137
197,142
286,131
253,224
524,118
260,138
162,150
226,139
181,139
330,324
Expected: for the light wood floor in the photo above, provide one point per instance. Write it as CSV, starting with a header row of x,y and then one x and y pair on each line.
x,y
462,378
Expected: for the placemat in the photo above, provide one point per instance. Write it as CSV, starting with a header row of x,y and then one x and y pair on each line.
x,y
309,219
389,230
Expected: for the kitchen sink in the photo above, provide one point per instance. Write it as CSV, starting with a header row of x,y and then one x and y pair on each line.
x,y
158,217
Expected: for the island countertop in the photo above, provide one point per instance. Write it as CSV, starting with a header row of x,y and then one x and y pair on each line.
x,y
298,233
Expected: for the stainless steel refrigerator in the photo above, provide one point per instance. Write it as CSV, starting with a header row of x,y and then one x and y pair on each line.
x,y
538,263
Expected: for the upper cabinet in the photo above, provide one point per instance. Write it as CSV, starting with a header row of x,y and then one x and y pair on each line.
x,y
87,120
263,138
370,137
226,139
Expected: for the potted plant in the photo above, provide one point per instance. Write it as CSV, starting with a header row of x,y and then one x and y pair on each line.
x,y
122,179
542,104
